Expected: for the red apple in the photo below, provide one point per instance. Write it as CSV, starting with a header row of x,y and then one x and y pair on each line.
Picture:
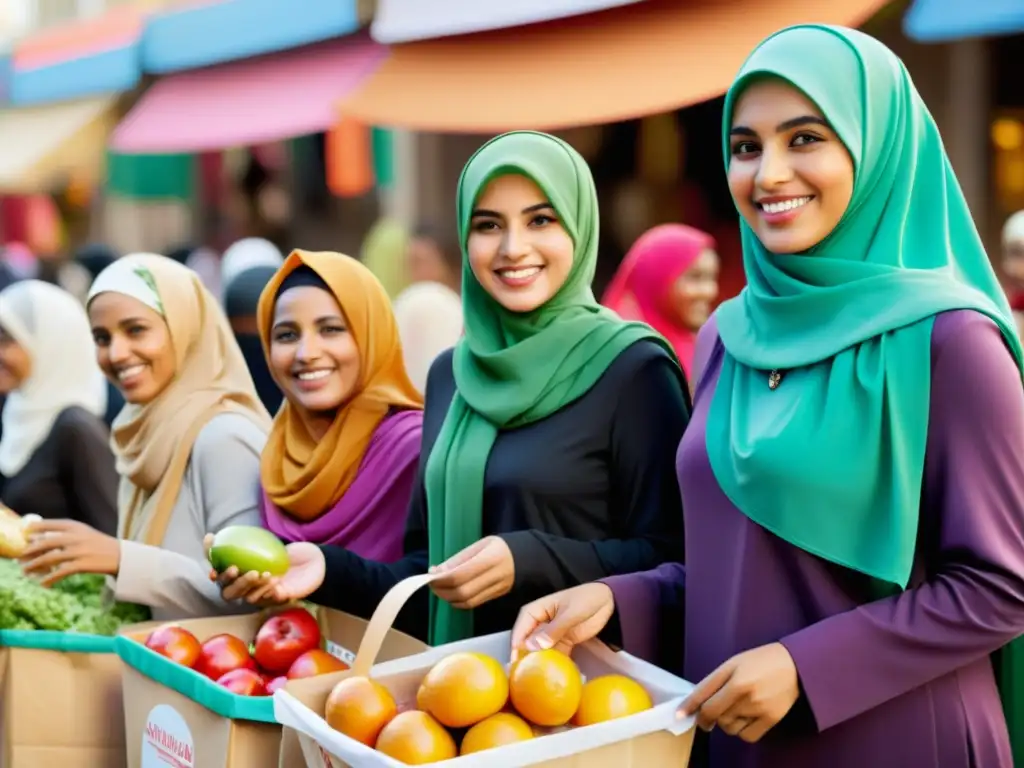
x,y
175,643
313,663
244,682
285,637
277,682
222,654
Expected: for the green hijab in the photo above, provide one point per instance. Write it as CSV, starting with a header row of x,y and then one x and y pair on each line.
x,y
832,460
513,369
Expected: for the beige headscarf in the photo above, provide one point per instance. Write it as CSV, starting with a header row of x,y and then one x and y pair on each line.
x,y
429,317
153,442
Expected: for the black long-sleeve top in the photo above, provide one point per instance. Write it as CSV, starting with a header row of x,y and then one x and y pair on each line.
x,y
71,475
586,493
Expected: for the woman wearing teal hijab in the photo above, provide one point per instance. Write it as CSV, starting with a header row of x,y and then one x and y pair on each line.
x,y
549,430
854,473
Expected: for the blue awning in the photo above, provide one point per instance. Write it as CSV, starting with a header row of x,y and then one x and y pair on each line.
x,y
85,58
108,72
198,36
933,21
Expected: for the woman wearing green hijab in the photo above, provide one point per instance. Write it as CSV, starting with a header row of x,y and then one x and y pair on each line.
x,y
854,473
549,430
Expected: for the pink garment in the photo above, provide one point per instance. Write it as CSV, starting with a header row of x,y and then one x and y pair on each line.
x,y
642,286
369,520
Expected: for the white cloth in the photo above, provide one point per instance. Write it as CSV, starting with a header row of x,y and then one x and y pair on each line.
x,y
1013,229
429,319
52,327
246,253
127,277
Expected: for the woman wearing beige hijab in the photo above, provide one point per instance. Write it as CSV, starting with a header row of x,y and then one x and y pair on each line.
x,y
187,442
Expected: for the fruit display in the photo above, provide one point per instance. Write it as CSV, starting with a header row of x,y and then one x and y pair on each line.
x,y
287,642
248,548
79,603
468,703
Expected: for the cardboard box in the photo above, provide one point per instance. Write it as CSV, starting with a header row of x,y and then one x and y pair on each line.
x,y
60,701
176,716
651,738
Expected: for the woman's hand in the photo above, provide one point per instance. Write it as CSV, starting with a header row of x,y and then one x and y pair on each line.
x,y
748,695
481,572
60,548
563,620
306,571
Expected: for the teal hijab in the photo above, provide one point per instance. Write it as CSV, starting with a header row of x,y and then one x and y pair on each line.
x,y
833,459
513,369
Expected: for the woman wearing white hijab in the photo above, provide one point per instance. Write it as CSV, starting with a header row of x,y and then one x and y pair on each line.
x,y
55,452
187,442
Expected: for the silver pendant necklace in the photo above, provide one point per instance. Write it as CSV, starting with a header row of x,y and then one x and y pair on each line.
x,y
774,379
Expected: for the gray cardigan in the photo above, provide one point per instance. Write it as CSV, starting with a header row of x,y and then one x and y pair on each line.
x,y
221,487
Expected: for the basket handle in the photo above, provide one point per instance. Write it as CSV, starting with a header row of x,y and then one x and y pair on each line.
x,y
384,618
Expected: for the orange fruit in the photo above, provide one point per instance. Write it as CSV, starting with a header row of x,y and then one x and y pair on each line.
x,y
545,687
496,731
610,697
416,738
359,708
463,689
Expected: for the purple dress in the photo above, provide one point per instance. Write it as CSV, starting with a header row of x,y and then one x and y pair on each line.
x,y
904,681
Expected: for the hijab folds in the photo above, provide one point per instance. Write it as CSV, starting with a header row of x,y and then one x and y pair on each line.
x,y
832,460
51,325
305,476
153,442
642,286
513,369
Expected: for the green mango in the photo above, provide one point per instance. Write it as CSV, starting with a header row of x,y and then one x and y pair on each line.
x,y
248,548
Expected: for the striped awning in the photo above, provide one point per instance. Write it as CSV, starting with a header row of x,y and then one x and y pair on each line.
x,y
112,52
81,59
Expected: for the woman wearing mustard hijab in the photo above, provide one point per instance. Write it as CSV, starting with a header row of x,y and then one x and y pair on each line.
x,y
340,462
549,431
854,473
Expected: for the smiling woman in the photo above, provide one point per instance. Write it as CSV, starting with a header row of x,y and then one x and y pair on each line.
x,y
518,250
340,462
549,431
789,173
853,591
187,442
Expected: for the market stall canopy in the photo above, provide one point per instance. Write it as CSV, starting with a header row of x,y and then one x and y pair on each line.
x,y
248,102
84,58
933,21
618,64
43,146
401,21
217,31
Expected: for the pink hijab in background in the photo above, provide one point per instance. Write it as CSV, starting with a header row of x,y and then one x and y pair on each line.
x,y
642,286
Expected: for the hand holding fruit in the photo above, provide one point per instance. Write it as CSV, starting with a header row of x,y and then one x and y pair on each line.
x,y
564,619
60,548
481,572
747,695
292,574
